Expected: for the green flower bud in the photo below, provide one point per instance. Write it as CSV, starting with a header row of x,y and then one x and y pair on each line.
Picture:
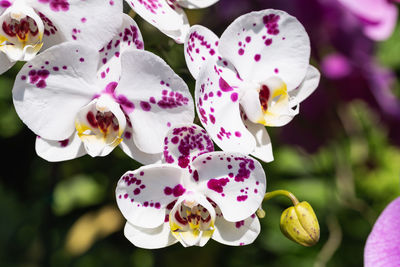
x,y
300,224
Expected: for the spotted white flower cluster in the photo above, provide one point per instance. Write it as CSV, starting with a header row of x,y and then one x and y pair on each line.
x,y
88,86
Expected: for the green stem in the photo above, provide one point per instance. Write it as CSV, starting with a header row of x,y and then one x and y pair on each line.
x,y
275,193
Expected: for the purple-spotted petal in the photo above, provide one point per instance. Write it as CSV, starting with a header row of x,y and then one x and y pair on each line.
x,y
200,45
382,247
50,90
239,233
194,4
54,151
76,20
184,143
306,88
267,43
129,36
167,16
149,238
236,183
218,108
159,98
143,195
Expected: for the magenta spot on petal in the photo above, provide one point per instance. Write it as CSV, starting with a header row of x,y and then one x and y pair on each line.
x,y
196,176
145,105
136,191
241,198
234,97
183,162
217,184
225,87
175,139
178,190
64,143
110,88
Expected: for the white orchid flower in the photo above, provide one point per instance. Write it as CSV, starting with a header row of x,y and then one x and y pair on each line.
x,y
168,15
202,195
28,26
81,101
254,76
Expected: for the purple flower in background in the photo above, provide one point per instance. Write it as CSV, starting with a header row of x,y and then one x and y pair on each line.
x,y
383,243
378,17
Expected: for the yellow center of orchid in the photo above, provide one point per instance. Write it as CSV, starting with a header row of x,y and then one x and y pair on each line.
x,y
274,100
100,127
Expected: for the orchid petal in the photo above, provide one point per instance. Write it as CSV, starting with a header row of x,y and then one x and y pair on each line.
x,y
149,238
184,143
267,43
263,149
195,4
160,98
5,63
200,45
217,105
382,247
250,104
306,88
77,20
55,151
129,36
144,194
129,147
167,16
42,87
236,233
236,183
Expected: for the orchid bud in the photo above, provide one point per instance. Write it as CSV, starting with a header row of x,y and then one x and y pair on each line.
x,y
300,224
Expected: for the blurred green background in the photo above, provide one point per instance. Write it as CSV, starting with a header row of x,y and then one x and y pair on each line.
x,y
65,214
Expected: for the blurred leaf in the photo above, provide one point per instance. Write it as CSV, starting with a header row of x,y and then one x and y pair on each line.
x,y
10,124
316,191
142,258
78,191
289,161
388,51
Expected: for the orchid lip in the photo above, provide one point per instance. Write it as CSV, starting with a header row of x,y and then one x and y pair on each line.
x,y
99,125
21,33
190,221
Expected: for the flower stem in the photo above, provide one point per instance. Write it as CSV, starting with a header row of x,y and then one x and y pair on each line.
x,y
286,193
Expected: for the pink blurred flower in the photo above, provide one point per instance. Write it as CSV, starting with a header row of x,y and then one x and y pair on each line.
x,y
378,17
383,244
